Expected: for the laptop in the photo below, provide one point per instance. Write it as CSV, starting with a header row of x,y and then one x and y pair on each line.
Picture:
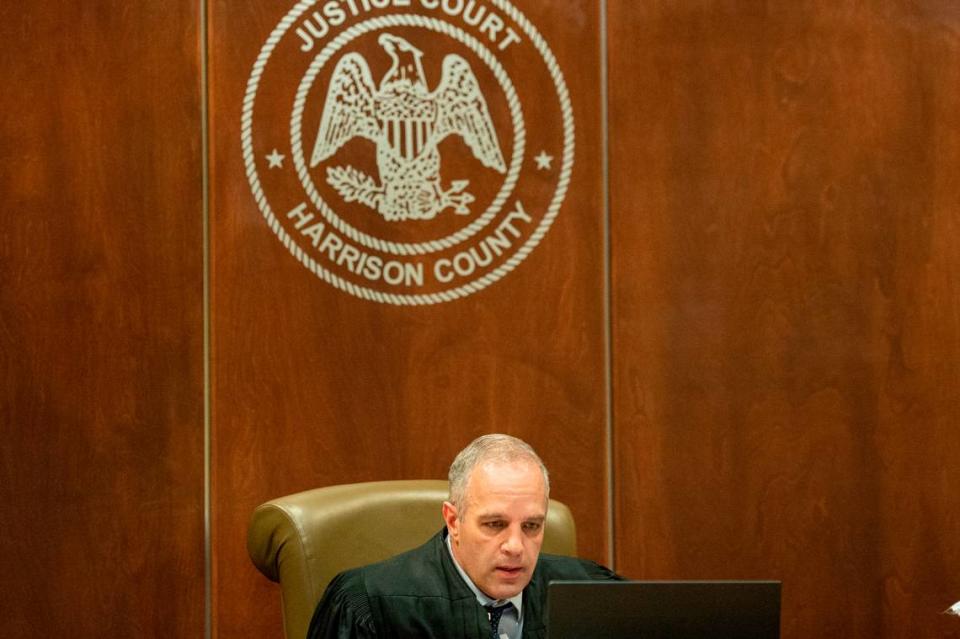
x,y
663,610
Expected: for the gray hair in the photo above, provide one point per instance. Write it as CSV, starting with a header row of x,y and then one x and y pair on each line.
x,y
489,448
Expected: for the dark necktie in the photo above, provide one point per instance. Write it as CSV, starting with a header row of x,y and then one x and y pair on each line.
x,y
495,612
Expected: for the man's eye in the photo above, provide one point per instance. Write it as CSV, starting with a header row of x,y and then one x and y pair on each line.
x,y
531,526
497,525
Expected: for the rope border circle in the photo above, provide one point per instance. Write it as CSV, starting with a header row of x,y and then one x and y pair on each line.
x,y
246,138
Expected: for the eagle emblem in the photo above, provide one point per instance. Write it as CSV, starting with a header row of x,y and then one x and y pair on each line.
x,y
406,122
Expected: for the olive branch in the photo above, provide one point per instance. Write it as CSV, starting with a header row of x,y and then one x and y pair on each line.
x,y
355,186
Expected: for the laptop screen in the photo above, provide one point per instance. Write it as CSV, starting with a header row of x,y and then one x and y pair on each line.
x,y
663,609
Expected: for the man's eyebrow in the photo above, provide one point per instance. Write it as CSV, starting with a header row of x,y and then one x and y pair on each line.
x,y
493,515
496,514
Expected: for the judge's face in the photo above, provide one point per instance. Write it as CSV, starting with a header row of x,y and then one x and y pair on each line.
x,y
497,534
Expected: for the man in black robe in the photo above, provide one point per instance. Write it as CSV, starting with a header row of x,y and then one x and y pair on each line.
x,y
481,577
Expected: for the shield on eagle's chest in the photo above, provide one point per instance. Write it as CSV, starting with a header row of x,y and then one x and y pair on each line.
x,y
407,124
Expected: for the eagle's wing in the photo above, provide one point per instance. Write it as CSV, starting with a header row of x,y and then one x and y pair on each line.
x,y
348,110
463,110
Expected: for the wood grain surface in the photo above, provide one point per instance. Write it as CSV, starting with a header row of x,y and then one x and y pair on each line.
x,y
313,386
785,310
786,304
101,458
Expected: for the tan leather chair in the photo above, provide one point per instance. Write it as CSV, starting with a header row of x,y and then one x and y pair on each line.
x,y
302,541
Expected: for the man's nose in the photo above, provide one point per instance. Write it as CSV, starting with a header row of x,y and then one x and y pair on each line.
x,y
513,544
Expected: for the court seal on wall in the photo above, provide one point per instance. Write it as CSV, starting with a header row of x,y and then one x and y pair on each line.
x,y
408,152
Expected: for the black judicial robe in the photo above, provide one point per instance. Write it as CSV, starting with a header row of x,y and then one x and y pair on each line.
x,y
420,595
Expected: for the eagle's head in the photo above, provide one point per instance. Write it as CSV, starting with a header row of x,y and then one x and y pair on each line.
x,y
407,68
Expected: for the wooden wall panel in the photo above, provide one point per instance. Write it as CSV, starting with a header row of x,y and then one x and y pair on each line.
x,y
314,386
101,425
786,306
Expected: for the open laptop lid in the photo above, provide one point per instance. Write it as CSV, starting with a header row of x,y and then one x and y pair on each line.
x,y
663,609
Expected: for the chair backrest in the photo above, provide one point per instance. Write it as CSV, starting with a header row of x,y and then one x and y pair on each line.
x,y
303,540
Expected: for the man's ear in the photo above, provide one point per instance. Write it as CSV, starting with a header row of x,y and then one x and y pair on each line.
x,y
450,518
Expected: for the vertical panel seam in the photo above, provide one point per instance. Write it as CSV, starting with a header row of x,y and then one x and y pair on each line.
x,y
205,213
607,286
